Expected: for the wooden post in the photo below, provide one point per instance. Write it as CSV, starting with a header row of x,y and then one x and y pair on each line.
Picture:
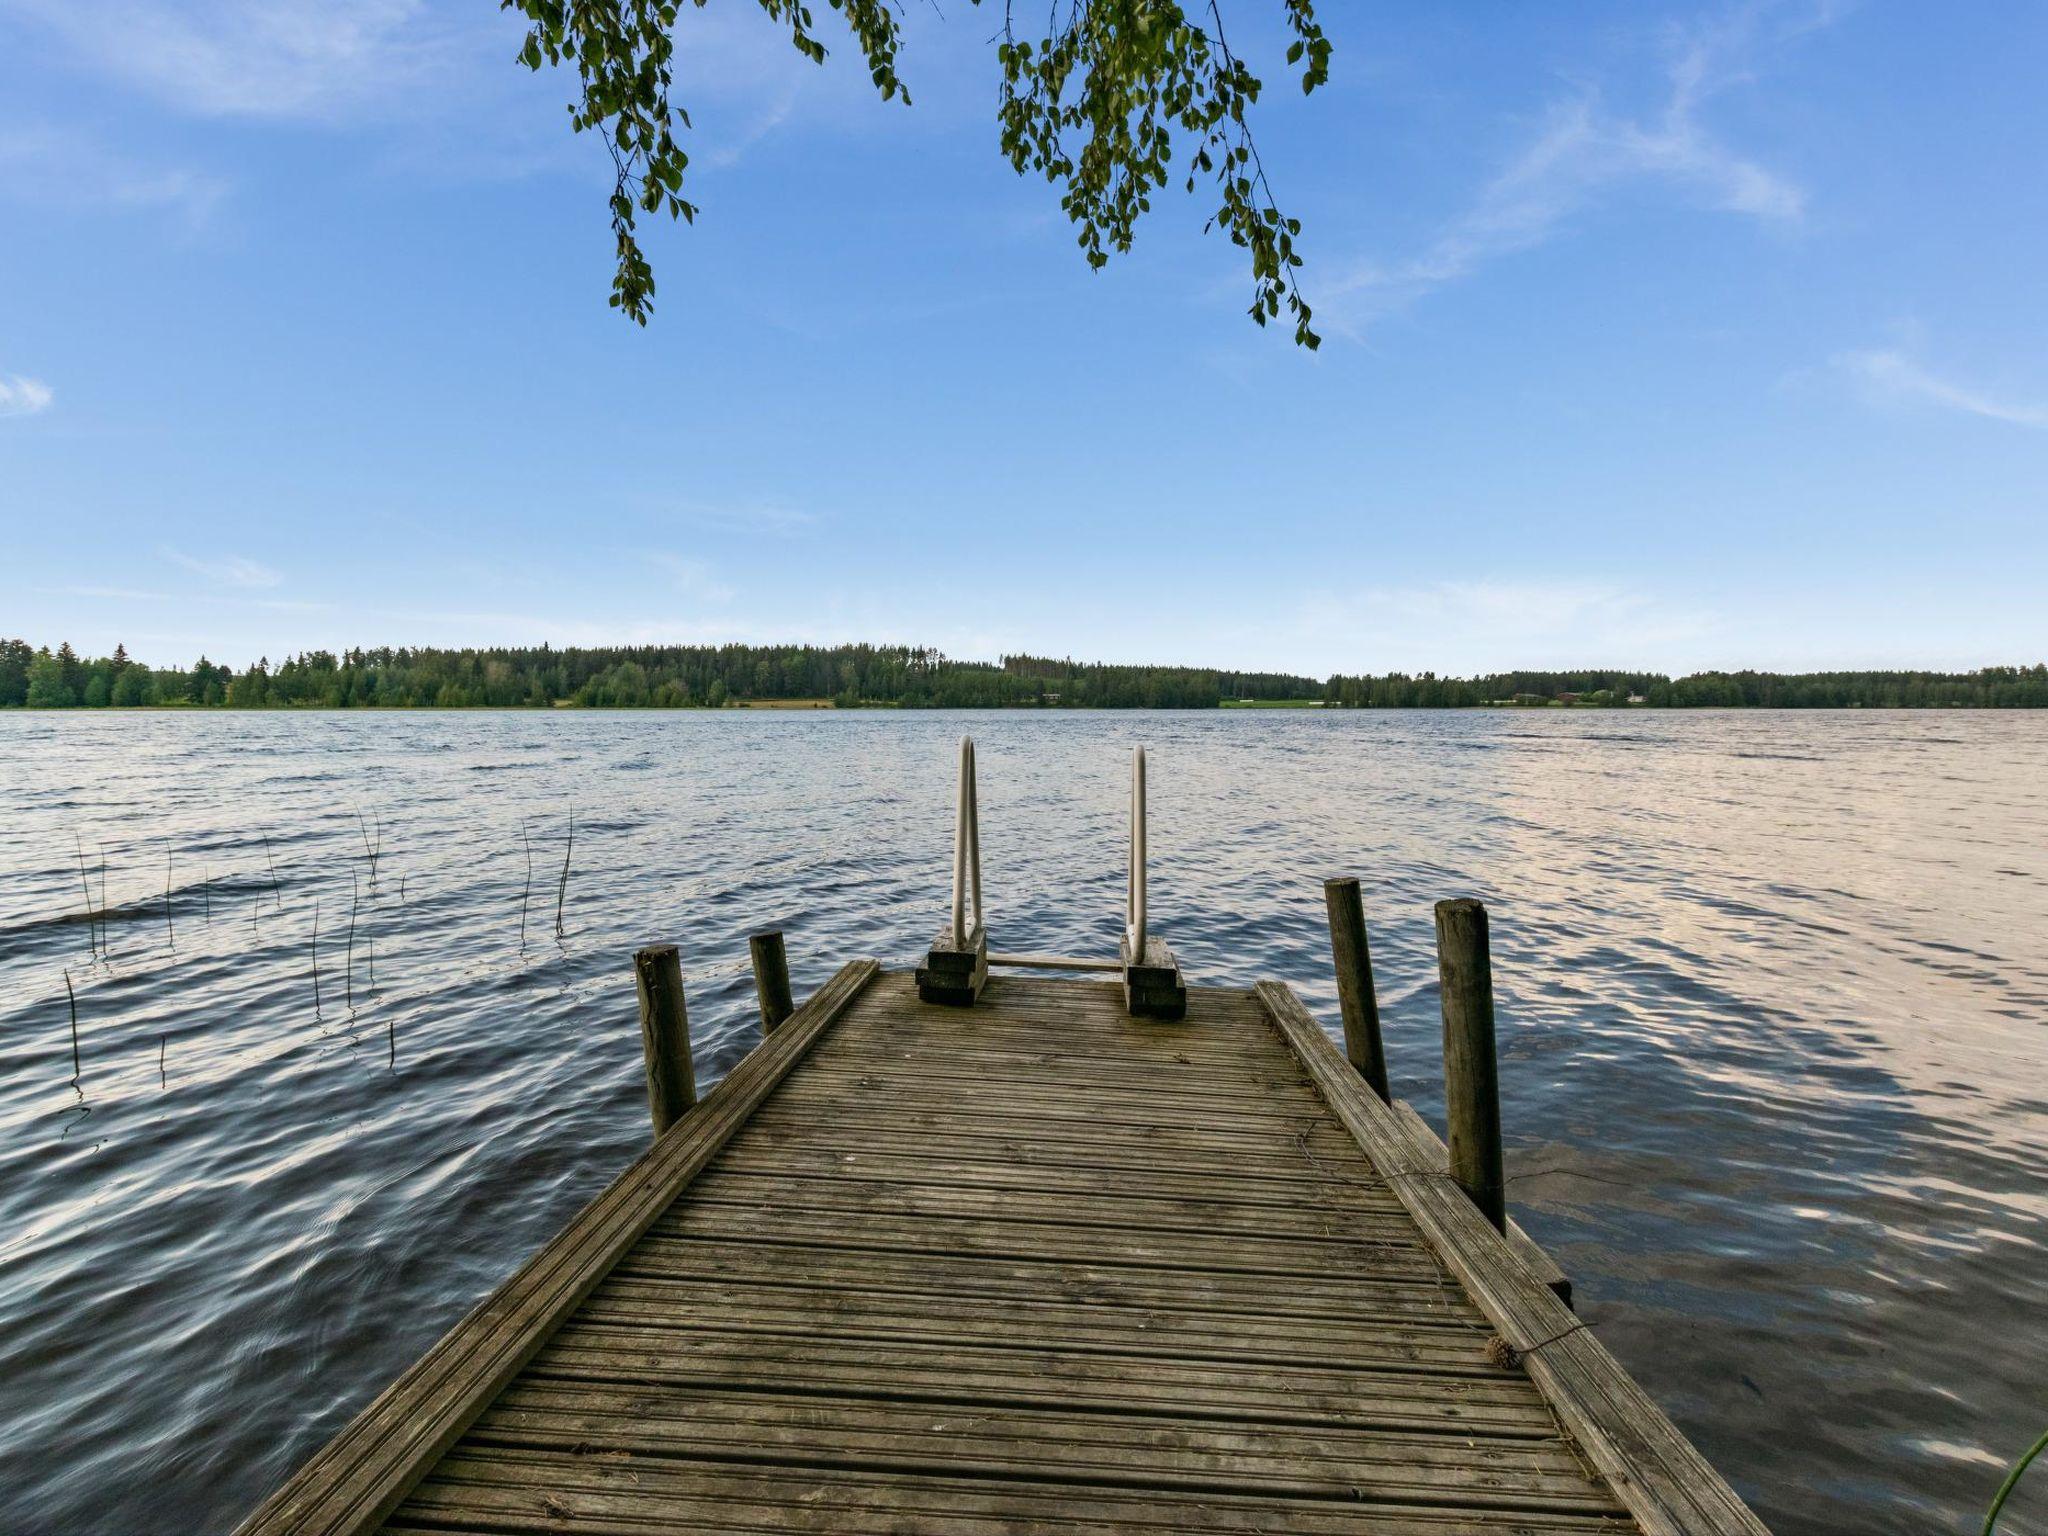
x,y
1354,983
665,1034
1471,1075
771,978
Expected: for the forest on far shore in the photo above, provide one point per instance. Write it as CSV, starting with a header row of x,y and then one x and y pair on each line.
x,y
850,676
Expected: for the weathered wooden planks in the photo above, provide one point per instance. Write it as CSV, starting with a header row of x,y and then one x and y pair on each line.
x,y
1350,1298
364,1471
1047,1445
1030,1266
965,1375
499,1490
1666,1484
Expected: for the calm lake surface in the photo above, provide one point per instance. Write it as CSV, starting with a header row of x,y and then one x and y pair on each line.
x,y
1773,996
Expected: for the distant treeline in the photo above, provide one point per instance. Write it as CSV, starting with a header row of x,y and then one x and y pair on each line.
x,y
1990,688
686,676
652,676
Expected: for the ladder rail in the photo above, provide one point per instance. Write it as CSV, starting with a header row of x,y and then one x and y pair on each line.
x,y
967,868
1134,895
966,848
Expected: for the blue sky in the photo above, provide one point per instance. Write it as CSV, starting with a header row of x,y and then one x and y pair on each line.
x,y
1655,336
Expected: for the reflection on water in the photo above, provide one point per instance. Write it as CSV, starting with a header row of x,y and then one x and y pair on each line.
x,y
1773,989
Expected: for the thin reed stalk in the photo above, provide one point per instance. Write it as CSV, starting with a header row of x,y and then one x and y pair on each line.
x,y
91,944
562,890
276,890
72,996
371,851
316,957
355,901
526,894
169,930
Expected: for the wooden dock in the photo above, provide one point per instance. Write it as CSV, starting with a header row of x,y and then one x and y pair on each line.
x,y
1032,1265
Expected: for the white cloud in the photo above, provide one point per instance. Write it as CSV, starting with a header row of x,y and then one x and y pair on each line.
x,y
751,517
116,594
693,578
492,628
229,571
327,59
1492,624
21,396
1893,376
247,571
733,147
1582,152
41,165
266,58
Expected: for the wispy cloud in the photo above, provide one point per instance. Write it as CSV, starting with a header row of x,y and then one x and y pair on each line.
x,y
40,164
227,571
504,628
1583,152
22,396
115,594
732,148
1893,376
210,600
749,517
261,58
1488,624
693,578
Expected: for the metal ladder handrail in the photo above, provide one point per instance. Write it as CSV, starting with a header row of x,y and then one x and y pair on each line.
x,y
967,873
966,848
1134,895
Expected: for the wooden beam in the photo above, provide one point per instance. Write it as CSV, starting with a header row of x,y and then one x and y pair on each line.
x,y
1534,1259
1471,1069
1355,997
1656,1473
954,974
771,978
1153,988
360,1476
664,1035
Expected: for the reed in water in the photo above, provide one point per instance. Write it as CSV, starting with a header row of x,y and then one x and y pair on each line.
x,y
525,895
91,945
562,889
72,998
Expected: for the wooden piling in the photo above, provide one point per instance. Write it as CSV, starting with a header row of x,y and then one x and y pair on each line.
x,y
665,1034
1471,1076
771,978
1355,994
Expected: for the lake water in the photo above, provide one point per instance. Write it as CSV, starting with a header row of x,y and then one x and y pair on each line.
x,y
1772,997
